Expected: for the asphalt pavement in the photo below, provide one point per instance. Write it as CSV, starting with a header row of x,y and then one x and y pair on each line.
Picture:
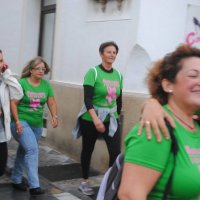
x,y
60,176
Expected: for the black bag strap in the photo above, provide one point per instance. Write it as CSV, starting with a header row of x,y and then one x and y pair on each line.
x,y
174,149
114,178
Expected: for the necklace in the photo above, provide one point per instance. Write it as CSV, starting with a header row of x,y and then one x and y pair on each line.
x,y
192,127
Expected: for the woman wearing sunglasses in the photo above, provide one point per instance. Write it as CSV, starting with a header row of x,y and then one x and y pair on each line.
x,y
27,123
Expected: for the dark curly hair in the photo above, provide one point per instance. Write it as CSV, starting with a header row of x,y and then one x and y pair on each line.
x,y
167,68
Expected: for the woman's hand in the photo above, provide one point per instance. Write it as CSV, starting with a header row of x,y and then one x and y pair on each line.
x,y
54,121
153,116
99,125
97,122
51,102
3,67
19,128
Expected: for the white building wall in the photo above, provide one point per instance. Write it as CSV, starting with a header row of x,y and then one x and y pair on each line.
x,y
30,26
19,27
79,33
160,29
10,28
144,30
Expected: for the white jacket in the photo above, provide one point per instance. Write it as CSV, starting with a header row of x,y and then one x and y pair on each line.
x,y
9,89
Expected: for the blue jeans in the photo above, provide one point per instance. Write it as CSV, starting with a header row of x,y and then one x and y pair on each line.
x,y
27,154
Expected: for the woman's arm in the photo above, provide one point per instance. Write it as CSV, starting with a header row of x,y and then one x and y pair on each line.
x,y
13,108
119,103
137,181
51,102
88,95
97,122
153,116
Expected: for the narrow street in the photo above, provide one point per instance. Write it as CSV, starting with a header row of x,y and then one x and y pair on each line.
x,y
60,176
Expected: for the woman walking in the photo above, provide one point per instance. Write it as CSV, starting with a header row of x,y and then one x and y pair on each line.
x,y
27,123
9,89
99,117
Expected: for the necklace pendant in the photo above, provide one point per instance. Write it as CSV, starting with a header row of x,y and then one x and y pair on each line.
x,y
191,127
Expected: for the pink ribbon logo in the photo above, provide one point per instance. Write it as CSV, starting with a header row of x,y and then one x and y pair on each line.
x,y
35,103
111,94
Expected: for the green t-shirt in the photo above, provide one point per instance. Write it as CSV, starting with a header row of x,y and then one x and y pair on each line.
x,y
107,87
158,156
197,112
31,106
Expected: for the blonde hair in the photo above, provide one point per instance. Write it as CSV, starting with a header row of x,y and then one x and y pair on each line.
x,y
26,72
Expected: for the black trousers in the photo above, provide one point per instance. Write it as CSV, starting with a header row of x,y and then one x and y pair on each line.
x,y
89,137
3,157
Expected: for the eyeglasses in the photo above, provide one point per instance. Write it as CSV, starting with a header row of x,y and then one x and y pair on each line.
x,y
40,69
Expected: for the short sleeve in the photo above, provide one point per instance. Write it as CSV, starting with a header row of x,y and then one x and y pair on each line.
x,y
120,78
50,90
121,82
21,81
89,78
148,153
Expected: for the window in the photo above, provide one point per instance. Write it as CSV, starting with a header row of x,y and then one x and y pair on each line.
x,y
47,29
46,42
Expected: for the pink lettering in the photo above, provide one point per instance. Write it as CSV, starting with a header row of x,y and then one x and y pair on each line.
x,y
36,94
192,151
109,83
192,38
